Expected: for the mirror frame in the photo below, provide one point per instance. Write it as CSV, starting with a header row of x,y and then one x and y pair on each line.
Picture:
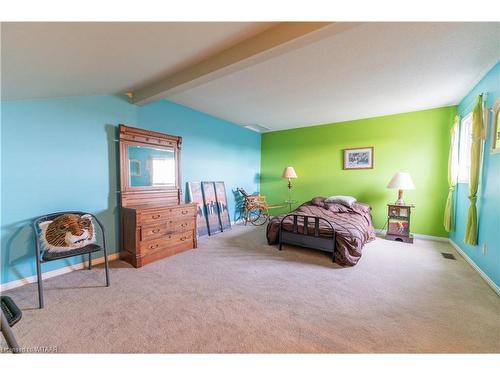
x,y
145,195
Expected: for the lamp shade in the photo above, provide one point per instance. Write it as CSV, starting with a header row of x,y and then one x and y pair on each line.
x,y
289,172
401,180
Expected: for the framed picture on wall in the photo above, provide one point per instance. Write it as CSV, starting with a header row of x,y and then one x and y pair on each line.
x,y
495,141
196,196
358,158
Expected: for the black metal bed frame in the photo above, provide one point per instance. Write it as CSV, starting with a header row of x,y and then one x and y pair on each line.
x,y
89,249
304,239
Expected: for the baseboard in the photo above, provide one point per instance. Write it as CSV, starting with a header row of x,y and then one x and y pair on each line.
x,y
60,271
485,277
430,238
419,236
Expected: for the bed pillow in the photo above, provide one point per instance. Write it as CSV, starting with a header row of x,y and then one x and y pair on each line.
x,y
67,232
342,199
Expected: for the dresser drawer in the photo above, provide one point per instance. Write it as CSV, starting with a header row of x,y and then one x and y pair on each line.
x,y
179,213
167,240
153,217
168,227
181,225
165,214
154,231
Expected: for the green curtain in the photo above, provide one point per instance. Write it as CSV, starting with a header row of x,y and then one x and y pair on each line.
x,y
452,176
471,228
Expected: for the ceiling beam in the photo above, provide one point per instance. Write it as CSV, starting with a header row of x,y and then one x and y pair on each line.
x,y
272,42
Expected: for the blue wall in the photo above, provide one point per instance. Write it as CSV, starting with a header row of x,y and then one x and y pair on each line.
x,y
489,192
61,154
212,149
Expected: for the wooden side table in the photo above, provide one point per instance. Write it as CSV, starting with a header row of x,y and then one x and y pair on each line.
x,y
398,228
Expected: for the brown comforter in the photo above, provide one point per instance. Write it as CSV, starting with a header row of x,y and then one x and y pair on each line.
x,y
353,227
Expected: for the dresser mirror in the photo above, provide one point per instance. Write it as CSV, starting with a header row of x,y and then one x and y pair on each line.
x,y
149,167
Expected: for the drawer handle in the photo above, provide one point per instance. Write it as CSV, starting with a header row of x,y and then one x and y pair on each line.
x,y
153,246
156,230
183,238
155,216
184,225
184,212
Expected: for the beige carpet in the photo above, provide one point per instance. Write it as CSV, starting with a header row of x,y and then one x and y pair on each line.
x,y
236,294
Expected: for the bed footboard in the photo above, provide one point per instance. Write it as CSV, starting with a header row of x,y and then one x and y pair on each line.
x,y
305,238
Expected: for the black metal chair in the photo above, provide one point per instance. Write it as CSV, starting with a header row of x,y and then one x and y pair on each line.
x,y
44,256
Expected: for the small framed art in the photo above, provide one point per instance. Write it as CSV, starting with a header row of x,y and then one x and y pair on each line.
x,y
358,158
135,167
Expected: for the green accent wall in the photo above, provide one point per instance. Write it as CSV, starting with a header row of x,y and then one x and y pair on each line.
x,y
417,142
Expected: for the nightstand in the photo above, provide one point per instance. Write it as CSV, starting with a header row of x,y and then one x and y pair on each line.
x,y
398,227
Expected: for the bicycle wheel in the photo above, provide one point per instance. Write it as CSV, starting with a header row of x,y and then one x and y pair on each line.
x,y
257,216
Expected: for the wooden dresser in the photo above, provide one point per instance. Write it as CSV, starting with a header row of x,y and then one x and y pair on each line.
x,y
151,233
154,222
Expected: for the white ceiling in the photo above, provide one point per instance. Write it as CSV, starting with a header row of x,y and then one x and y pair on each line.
x,y
47,59
369,70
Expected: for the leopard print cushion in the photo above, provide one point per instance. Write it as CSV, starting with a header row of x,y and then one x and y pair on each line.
x,y
67,232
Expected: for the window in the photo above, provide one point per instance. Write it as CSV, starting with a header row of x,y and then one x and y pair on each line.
x,y
163,171
464,150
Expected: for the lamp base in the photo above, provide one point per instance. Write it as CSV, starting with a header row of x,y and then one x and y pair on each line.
x,y
400,201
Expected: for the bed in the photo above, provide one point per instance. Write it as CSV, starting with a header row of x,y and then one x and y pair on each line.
x,y
337,228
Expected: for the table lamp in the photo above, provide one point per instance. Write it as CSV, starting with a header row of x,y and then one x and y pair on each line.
x,y
289,173
401,181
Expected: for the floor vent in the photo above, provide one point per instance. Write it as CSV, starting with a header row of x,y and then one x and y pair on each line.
x,y
448,256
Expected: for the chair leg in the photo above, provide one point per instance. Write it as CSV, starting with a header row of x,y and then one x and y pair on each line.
x,y
8,335
39,281
90,261
106,267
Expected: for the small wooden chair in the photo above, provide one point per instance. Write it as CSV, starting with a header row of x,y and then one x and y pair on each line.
x,y
256,208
